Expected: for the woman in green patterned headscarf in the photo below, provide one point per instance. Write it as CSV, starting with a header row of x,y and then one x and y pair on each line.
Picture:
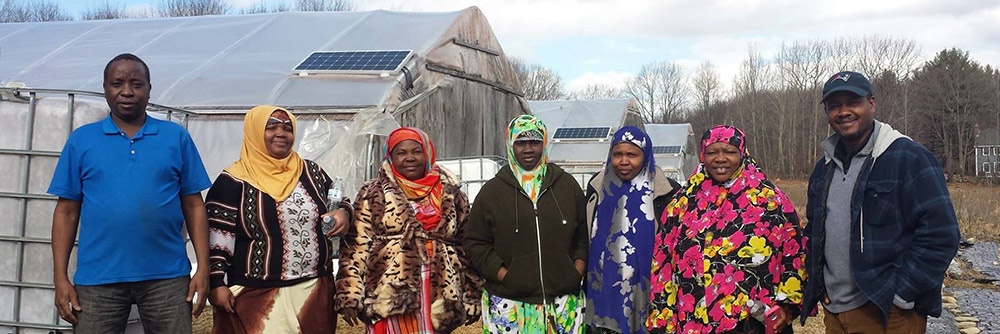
x,y
528,136
533,274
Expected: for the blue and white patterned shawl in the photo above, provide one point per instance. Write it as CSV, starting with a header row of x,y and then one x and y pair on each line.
x,y
621,243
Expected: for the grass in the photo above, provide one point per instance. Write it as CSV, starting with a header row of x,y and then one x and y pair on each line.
x,y
977,207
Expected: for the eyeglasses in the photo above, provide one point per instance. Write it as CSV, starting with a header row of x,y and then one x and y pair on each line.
x,y
275,120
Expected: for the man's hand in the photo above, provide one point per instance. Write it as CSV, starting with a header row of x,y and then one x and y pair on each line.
x,y
350,316
66,301
223,299
196,219
581,266
198,290
65,220
501,274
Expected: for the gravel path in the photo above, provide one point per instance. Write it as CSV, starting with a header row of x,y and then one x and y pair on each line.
x,y
979,303
943,325
983,256
982,305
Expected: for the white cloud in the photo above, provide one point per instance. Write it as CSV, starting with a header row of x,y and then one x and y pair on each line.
x,y
244,3
610,78
691,31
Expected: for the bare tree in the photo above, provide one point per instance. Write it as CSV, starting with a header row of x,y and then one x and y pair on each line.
x,y
175,8
799,71
325,5
675,93
644,88
890,58
13,11
262,7
44,11
597,92
31,11
104,11
751,92
537,82
878,54
660,91
842,56
707,86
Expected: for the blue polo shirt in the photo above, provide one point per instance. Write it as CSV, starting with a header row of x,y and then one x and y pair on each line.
x,y
131,223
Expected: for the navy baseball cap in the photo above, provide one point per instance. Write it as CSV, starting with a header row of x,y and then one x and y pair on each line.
x,y
853,82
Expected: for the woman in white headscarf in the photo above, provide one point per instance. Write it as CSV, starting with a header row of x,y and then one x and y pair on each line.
x,y
623,202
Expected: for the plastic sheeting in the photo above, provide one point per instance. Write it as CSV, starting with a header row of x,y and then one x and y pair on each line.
x,y
581,113
344,148
231,60
348,150
473,173
677,166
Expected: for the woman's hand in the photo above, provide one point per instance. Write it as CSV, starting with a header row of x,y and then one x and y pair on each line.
x,y
223,299
339,222
350,316
783,320
581,266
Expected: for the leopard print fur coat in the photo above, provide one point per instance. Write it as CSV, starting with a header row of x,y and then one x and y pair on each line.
x,y
382,252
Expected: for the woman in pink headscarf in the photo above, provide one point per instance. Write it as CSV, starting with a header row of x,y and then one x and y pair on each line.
x,y
728,241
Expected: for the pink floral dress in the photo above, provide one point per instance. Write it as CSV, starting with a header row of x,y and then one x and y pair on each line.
x,y
723,244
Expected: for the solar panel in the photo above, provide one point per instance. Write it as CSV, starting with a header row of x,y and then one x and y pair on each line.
x,y
666,149
582,133
353,61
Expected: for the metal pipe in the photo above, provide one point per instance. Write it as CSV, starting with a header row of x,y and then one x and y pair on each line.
x,y
29,240
72,112
25,196
369,173
23,212
30,152
17,325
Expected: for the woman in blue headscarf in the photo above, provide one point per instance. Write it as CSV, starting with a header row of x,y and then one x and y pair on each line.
x,y
623,202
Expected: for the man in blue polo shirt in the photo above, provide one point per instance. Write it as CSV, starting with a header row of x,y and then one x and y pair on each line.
x,y
129,183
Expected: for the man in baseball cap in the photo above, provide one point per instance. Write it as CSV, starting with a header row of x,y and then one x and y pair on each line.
x,y
848,81
882,229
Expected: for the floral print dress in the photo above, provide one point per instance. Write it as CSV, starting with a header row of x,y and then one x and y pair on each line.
x,y
723,244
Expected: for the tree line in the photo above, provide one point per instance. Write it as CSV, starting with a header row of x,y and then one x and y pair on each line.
x,y
50,10
776,98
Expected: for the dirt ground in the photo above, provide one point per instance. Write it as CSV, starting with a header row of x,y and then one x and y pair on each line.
x,y
977,208
203,325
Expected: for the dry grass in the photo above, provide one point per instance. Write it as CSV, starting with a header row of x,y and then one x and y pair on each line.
x,y
978,210
977,207
203,325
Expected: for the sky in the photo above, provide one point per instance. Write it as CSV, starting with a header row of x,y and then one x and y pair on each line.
x,y
607,41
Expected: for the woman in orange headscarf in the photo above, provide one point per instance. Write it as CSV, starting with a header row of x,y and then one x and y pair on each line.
x,y
402,265
271,270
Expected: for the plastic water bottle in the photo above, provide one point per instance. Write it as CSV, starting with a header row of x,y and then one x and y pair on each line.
x,y
333,198
757,310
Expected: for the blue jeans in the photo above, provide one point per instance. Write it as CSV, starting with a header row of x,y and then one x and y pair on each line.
x,y
162,304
